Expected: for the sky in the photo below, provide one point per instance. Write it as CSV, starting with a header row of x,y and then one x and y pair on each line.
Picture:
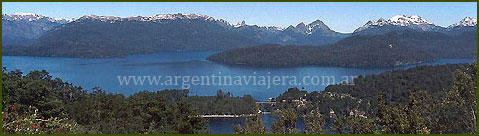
x,y
339,16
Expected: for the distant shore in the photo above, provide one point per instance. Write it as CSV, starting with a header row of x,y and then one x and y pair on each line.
x,y
226,116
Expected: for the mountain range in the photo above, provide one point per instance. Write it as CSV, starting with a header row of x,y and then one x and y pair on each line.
x,y
109,36
414,22
22,28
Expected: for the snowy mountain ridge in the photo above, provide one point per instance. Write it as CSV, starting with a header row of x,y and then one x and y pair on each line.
x,y
30,17
466,22
416,22
398,20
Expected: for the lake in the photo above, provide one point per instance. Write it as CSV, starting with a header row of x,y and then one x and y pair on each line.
x,y
108,73
225,125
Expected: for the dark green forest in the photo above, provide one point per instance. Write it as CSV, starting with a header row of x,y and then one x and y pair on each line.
x,y
392,49
96,39
421,100
36,103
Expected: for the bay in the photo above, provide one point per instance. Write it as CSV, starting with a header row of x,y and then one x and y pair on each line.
x,y
105,73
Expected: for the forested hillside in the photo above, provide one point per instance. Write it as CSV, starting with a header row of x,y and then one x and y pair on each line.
x,y
36,103
391,49
94,38
422,100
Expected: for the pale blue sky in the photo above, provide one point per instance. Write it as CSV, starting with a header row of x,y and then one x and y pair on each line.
x,y
342,17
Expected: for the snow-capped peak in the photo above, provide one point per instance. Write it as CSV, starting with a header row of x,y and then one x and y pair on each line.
x,y
403,20
26,14
316,23
309,28
275,28
301,24
243,23
414,21
30,17
270,28
181,16
380,22
101,18
22,16
467,21
152,18
303,28
399,20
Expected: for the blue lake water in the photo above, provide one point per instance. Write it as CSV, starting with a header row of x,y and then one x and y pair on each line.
x,y
225,125
104,73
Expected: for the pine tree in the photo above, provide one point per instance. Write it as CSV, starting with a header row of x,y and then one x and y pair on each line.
x,y
358,123
339,125
285,122
459,105
418,111
314,122
252,125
